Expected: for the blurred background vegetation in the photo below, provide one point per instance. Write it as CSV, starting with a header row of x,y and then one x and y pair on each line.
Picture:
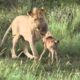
x,y
63,18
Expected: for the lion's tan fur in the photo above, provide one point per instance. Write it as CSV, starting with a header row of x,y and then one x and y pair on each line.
x,y
31,27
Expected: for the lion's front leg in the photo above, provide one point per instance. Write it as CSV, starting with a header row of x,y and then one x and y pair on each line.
x,y
33,49
26,52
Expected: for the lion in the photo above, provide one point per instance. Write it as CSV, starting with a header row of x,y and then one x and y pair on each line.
x,y
32,27
50,44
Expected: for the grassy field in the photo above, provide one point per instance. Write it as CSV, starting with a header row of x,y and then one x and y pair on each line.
x,y
64,23
24,69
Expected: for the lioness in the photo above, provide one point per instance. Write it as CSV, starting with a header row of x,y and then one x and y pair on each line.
x,y
31,27
51,44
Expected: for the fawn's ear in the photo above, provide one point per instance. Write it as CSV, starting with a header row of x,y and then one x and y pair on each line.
x,y
57,41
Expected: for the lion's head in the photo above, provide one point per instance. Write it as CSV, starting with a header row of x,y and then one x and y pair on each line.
x,y
38,19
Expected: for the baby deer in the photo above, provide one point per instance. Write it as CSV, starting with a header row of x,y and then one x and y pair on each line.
x,y
50,44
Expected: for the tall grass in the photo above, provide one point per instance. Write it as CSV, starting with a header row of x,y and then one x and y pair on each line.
x,y
21,70
65,27
64,23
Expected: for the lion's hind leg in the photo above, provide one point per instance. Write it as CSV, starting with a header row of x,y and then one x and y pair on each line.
x,y
14,41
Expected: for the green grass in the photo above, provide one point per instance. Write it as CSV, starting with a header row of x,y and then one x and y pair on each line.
x,y
64,23
26,69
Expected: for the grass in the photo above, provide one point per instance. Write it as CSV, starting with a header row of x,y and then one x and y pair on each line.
x,y
25,69
64,23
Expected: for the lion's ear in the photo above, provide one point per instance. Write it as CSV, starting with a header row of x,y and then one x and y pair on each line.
x,y
30,12
36,11
42,9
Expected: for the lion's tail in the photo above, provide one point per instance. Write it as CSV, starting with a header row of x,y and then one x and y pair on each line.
x,y
4,37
